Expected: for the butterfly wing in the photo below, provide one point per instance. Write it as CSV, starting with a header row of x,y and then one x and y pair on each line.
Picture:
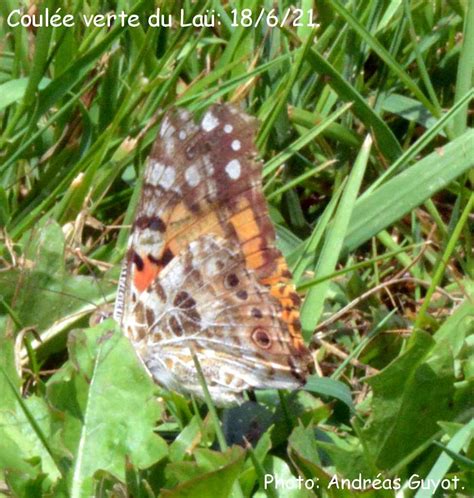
x,y
202,272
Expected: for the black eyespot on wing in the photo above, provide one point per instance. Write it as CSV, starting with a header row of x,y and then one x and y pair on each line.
x,y
232,280
261,338
242,294
256,313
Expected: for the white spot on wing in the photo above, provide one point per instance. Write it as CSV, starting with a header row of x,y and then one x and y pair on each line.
x,y
209,122
154,172
175,276
182,135
168,177
235,145
164,126
183,114
153,301
233,169
228,128
166,129
209,166
211,268
192,176
169,146
211,189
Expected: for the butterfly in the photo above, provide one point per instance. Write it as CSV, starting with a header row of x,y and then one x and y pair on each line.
x,y
202,275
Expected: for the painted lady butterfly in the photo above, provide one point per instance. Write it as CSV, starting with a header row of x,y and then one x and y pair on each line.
x,y
202,273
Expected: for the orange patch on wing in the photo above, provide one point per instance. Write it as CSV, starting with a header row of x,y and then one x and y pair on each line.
x,y
174,246
144,277
252,246
179,216
280,275
244,222
181,236
255,260
249,234
289,314
286,295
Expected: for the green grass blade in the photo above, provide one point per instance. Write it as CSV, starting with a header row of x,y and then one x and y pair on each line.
x,y
363,343
444,462
282,97
314,301
38,68
419,58
377,47
306,284
464,80
409,189
301,142
422,142
383,136
441,266
301,178
307,255
55,117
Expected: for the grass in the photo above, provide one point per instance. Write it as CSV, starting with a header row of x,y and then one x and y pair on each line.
x,y
367,141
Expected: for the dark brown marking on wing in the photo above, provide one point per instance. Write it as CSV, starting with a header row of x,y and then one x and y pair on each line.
x,y
154,223
136,260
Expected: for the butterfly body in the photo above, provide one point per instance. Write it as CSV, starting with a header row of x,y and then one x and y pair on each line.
x,y
202,274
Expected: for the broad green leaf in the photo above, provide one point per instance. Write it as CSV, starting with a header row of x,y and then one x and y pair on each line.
x,y
25,429
186,440
346,454
41,292
330,387
284,483
93,100
214,474
109,407
9,377
420,382
303,452
408,109
13,90
25,424
453,332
